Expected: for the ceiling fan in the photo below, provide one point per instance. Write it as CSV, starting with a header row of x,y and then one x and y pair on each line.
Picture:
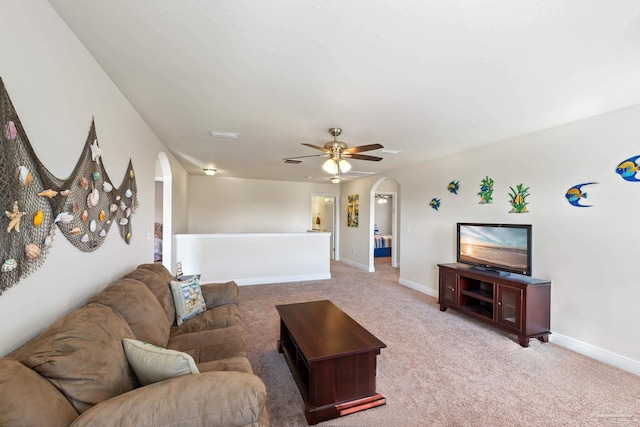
x,y
337,152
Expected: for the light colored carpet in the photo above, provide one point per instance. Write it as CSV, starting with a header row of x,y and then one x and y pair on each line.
x,y
439,368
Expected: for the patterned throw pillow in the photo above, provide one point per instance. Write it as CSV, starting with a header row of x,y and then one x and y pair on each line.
x,y
152,364
188,299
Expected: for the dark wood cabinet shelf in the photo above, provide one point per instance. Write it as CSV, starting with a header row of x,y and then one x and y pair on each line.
x,y
482,310
479,294
518,304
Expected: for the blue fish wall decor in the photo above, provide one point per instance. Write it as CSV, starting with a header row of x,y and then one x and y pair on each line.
x,y
628,169
575,194
435,203
453,187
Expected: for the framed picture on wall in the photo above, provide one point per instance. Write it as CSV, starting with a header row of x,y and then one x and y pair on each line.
x,y
352,210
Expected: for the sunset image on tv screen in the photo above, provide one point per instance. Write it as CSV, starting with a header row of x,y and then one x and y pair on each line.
x,y
494,246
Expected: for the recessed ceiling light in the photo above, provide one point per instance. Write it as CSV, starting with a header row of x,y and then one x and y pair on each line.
x,y
210,171
228,135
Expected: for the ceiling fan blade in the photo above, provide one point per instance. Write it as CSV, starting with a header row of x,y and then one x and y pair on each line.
x,y
363,148
363,157
316,147
302,157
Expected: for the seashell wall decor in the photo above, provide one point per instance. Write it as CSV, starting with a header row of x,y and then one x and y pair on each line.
x,y
48,193
32,251
10,131
25,176
9,265
38,218
82,207
84,183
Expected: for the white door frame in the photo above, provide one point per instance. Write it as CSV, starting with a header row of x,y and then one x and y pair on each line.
x,y
336,220
167,228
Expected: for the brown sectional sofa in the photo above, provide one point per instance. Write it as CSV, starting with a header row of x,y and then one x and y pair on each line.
x,y
76,373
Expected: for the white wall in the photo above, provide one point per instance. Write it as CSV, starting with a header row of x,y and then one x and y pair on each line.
x,y
255,258
56,88
354,241
234,205
589,254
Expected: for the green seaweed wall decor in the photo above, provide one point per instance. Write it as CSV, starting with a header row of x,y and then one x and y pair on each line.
x,y
486,191
517,198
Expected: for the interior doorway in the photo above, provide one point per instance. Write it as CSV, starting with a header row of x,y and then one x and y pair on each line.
x,y
383,229
389,189
163,176
324,217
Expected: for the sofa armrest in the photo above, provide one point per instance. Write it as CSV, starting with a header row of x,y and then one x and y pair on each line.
x,y
210,398
216,294
28,399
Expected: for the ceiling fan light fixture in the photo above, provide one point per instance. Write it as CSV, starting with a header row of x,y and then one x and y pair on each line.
x,y
335,180
330,166
209,171
382,198
344,166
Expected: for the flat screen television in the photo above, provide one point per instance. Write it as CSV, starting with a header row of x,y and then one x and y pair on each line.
x,y
504,248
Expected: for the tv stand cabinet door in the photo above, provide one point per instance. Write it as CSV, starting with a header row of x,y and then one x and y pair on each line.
x,y
509,307
448,289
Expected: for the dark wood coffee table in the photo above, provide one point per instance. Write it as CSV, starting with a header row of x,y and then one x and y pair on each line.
x,y
332,359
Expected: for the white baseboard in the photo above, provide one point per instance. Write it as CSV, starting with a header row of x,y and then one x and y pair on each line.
x,y
418,287
605,356
355,264
279,279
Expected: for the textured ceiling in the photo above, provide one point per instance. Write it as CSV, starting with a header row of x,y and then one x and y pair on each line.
x,y
424,77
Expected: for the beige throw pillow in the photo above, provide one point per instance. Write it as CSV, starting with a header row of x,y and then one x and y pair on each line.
x,y
152,364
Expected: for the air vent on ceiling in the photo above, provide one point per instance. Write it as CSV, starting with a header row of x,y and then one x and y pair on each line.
x,y
293,162
357,174
227,135
388,151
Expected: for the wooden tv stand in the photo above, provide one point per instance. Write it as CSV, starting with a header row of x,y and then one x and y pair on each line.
x,y
515,303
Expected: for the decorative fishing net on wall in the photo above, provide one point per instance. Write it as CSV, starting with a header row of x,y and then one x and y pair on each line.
x,y
34,202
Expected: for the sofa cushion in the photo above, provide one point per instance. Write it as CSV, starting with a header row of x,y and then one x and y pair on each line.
x,y
216,318
139,307
213,399
218,344
153,364
157,279
216,294
82,355
187,297
21,387
239,364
